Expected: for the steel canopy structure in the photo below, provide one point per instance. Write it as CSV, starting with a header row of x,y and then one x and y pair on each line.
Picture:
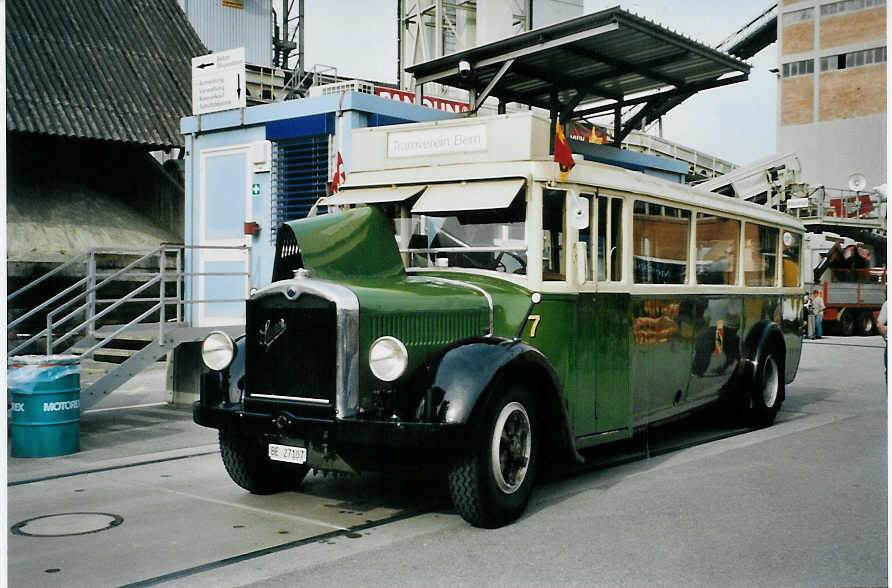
x,y
590,65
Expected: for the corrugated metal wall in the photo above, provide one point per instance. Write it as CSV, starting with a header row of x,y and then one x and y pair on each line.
x,y
221,25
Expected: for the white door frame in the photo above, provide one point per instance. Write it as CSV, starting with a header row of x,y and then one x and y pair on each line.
x,y
204,256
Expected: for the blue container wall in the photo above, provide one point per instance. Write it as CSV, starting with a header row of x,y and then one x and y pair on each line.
x,y
280,122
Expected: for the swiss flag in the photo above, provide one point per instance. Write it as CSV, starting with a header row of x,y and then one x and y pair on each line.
x,y
339,175
562,154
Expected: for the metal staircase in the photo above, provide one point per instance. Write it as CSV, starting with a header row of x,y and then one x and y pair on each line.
x,y
121,310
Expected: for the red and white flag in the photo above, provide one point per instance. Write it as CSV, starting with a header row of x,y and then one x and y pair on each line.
x,y
562,154
339,175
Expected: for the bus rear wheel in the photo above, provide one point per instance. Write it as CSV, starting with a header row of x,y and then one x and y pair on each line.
x,y
767,393
248,464
491,484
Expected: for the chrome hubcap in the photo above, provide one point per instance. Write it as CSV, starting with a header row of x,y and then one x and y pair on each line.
x,y
511,447
770,383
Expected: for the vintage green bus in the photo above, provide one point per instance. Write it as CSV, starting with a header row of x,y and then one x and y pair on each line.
x,y
462,304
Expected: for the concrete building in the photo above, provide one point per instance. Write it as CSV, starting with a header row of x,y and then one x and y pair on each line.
x,y
832,92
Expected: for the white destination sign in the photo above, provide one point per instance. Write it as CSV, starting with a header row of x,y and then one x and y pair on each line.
x,y
218,81
436,141
797,203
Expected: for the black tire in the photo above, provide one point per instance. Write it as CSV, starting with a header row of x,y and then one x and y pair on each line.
x,y
249,466
489,494
767,393
847,323
865,324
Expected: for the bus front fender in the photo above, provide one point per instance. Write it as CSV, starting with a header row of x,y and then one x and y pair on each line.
x,y
468,375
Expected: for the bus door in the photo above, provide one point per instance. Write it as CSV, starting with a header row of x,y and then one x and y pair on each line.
x,y
717,318
661,329
604,401
716,344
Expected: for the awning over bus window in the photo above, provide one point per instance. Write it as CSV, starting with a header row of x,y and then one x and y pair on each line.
x,y
468,196
372,195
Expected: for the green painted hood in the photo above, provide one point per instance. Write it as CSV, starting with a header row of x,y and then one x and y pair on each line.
x,y
357,248
355,244
510,301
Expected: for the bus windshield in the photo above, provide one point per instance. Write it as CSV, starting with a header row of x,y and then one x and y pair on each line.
x,y
480,239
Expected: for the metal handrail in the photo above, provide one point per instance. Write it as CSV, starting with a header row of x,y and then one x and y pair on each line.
x,y
89,253
47,332
49,336
37,309
93,289
120,330
76,259
161,277
50,273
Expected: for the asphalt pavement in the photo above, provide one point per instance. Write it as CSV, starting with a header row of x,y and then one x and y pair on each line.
x,y
803,503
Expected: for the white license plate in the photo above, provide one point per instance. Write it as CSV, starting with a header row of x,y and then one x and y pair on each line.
x,y
287,453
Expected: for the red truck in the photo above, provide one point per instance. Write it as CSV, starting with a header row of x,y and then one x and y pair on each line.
x,y
853,291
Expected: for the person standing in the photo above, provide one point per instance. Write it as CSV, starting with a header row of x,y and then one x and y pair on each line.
x,y
809,317
818,308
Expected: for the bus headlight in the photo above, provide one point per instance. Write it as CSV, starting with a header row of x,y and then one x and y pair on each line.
x,y
217,351
388,358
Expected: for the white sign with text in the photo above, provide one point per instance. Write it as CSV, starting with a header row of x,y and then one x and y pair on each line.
x,y
797,203
436,141
218,81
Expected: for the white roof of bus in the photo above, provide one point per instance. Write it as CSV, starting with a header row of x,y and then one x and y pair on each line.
x,y
584,173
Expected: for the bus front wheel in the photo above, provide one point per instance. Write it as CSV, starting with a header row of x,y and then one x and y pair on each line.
x,y
247,463
491,484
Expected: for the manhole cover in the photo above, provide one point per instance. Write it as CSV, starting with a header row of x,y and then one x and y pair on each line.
x,y
65,524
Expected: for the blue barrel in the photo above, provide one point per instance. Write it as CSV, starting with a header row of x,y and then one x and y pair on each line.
x,y
45,395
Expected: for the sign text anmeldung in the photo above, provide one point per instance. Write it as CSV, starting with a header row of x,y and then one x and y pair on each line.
x,y
218,81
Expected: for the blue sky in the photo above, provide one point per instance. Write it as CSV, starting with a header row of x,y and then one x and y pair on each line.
x,y
735,122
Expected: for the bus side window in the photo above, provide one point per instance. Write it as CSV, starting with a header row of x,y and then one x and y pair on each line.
x,y
553,235
792,253
759,255
609,214
660,236
718,239
616,239
585,236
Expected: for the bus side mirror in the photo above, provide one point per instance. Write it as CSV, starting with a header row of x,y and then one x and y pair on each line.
x,y
579,213
580,261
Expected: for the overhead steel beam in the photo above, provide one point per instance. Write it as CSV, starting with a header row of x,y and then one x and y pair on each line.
x,y
617,124
571,106
690,88
478,99
651,111
520,52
